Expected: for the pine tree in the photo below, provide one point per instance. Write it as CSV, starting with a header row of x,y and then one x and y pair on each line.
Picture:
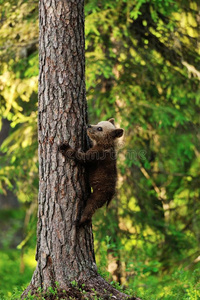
x,y
65,251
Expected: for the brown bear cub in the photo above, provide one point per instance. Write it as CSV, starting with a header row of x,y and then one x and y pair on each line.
x,y
101,161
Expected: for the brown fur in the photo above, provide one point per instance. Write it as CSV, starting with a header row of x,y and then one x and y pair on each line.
x,y
101,161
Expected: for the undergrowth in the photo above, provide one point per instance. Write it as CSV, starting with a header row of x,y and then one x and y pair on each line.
x,y
181,285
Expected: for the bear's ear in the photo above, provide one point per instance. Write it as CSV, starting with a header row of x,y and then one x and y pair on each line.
x,y
117,133
112,120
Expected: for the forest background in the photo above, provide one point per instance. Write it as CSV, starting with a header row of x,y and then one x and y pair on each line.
x,y
143,68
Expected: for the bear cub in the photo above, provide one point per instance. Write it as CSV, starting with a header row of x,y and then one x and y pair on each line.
x,y
101,163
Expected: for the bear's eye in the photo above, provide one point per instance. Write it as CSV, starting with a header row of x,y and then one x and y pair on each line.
x,y
99,128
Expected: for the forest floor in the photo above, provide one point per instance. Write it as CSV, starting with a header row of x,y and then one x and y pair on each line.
x,y
76,294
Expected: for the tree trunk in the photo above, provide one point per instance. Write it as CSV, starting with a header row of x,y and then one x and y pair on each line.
x,y
64,251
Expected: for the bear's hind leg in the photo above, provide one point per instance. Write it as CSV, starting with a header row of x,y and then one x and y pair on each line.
x,y
95,201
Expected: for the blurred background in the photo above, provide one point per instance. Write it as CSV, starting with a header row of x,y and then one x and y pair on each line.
x,y
143,68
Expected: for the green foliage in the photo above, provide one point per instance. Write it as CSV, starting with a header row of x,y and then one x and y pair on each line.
x,y
18,97
156,98
10,274
180,285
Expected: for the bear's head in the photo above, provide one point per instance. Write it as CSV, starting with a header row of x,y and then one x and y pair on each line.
x,y
104,133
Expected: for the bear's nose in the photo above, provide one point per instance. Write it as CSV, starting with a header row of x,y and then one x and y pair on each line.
x,y
89,126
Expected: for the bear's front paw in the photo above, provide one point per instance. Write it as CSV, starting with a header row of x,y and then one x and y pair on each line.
x,y
64,147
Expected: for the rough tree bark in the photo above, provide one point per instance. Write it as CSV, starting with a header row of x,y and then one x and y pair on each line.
x,y
64,252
